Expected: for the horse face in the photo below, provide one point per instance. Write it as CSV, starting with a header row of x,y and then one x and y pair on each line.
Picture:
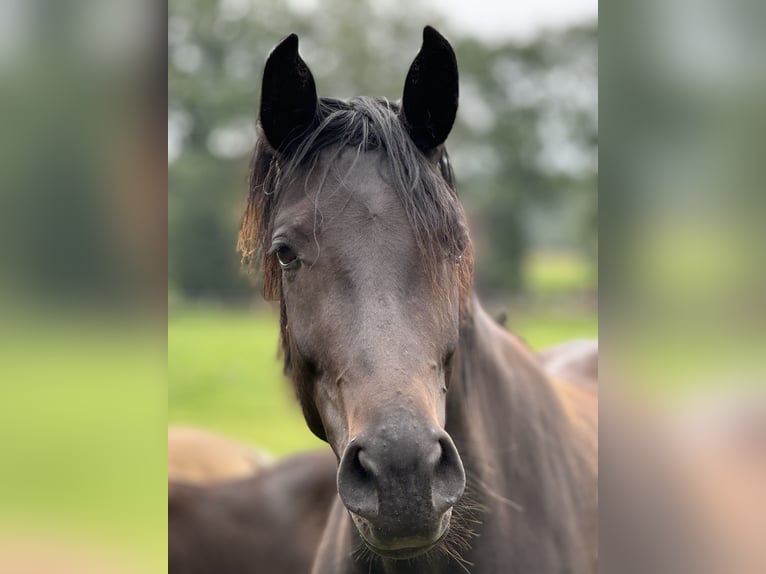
x,y
370,327
374,341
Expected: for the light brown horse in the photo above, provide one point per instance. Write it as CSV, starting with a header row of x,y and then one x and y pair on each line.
x,y
683,488
725,444
574,361
196,456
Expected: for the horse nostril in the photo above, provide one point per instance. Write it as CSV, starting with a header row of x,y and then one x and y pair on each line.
x,y
356,482
434,458
449,476
365,462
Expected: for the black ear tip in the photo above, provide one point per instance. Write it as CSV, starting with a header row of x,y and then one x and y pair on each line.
x,y
288,46
291,41
432,37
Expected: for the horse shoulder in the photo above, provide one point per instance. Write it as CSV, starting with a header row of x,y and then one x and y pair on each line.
x,y
574,361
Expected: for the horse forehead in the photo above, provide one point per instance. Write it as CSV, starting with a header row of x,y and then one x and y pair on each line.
x,y
345,192
356,179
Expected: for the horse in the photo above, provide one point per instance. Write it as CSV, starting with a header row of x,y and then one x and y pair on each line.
x,y
267,523
455,451
689,495
723,439
575,361
196,456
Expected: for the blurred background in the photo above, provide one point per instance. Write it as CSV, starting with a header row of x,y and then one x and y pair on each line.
x,y
84,221
82,286
524,150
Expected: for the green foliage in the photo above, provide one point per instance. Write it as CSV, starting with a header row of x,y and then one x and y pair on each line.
x,y
551,274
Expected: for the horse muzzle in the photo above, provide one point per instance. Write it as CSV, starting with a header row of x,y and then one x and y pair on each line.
x,y
399,482
401,548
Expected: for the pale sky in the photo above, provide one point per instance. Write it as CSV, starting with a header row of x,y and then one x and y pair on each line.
x,y
485,19
497,19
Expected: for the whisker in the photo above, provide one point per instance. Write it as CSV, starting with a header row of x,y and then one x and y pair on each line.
x,y
462,562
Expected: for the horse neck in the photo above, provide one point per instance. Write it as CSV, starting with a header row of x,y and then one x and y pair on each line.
x,y
515,438
498,382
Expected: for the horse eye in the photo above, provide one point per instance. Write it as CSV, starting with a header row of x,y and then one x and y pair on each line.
x,y
286,257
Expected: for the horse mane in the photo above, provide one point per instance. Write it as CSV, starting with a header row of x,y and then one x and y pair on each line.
x,y
526,450
425,187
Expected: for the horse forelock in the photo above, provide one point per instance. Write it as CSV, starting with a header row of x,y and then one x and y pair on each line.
x,y
424,185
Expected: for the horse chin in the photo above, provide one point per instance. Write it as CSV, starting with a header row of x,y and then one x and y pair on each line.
x,y
401,548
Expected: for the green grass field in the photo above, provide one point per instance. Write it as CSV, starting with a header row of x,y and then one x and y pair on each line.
x,y
81,427
224,374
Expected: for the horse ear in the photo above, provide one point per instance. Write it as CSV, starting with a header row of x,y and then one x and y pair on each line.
x,y
429,103
288,95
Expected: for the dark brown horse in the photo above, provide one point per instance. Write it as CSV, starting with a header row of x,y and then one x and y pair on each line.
x,y
455,451
270,523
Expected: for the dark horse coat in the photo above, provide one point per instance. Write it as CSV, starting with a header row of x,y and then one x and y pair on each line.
x,y
528,446
456,452
270,523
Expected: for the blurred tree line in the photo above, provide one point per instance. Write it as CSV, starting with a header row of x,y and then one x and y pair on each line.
x,y
524,147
